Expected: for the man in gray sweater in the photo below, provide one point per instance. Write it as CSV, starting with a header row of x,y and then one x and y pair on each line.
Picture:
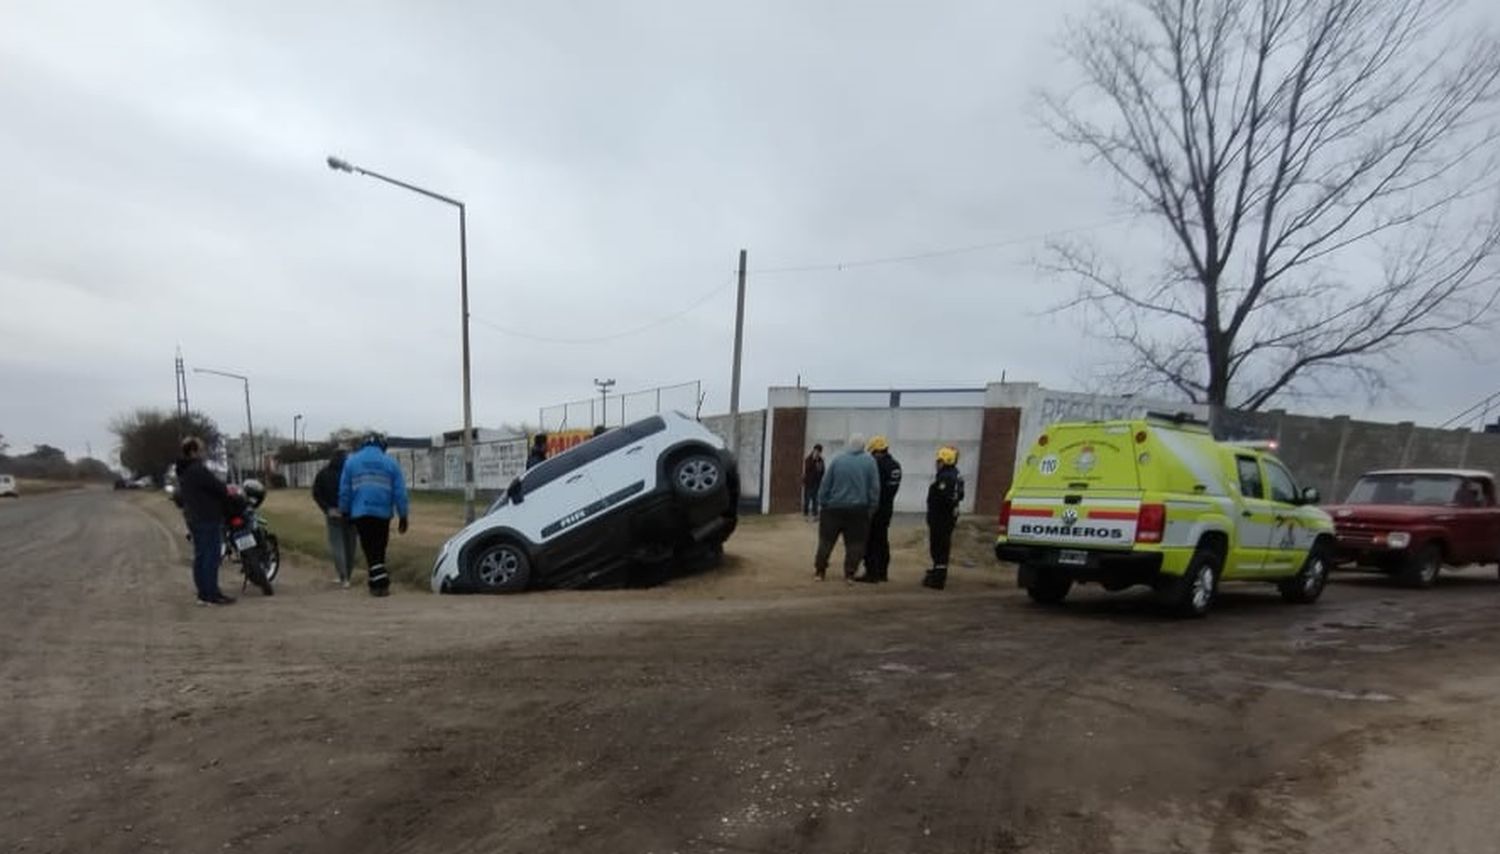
x,y
850,492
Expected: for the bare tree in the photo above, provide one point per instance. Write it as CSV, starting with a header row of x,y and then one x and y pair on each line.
x,y
1326,174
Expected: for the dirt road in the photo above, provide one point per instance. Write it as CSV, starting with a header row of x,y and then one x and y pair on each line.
x,y
743,711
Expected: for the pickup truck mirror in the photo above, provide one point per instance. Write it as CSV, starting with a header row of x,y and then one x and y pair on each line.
x,y
1310,495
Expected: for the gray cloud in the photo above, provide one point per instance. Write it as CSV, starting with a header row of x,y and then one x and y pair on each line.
x,y
165,185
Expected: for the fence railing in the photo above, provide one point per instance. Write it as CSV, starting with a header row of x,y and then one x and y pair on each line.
x,y
616,409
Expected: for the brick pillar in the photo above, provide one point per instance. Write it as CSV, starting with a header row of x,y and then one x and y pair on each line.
x,y
997,458
788,437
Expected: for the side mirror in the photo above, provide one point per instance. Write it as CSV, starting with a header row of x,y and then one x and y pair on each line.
x,y
513,492
1310,495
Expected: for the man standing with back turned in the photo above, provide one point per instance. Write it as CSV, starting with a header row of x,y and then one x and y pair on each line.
x,y
848,495
370,488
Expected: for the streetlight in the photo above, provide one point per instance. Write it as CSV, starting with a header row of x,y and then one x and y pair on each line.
x,y
295,420
604,386
249,419
338,165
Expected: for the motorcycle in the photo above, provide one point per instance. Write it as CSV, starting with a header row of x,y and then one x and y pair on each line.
x,y
249,540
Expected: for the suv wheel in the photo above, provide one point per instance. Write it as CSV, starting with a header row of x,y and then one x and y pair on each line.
x,y
1307,585
698,476
1421,567
499,566
1193,594
1049,588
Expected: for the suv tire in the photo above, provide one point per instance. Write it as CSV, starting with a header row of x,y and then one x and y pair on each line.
x,y
499,566
1193,594
697,476
1421,567
1048,588
1307,585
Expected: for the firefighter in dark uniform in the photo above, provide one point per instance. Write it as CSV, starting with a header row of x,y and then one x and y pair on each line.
x,y
878,547
943,500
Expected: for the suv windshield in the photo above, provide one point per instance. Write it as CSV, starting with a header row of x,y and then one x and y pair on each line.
x,y
1429,490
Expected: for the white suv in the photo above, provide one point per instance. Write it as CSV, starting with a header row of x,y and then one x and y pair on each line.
x,y
639,494
8,486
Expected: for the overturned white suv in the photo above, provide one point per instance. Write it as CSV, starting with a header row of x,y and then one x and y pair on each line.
x,y
639,495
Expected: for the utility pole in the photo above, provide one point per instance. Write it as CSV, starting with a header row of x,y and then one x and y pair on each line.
x,y
604,386
182,394
739,342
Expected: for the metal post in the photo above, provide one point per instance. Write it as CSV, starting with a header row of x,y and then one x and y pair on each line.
x,y
739,341
250,421
463,278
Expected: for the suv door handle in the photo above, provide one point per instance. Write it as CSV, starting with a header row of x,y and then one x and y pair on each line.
x,y
636,449
574,478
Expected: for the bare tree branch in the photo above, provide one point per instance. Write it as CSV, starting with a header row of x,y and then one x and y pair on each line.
x,y
1326,171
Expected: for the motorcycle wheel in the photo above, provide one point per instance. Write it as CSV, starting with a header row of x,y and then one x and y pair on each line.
x,y
272,561
253,564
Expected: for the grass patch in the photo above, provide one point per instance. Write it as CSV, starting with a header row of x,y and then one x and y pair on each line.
x,y
299,525
29,486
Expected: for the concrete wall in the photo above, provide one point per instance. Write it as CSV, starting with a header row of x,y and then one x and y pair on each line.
x,y
1331,453
914,435
751,451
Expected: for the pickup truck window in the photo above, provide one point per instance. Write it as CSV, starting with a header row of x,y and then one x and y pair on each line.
x,y
1250,482
1423,490
1283,488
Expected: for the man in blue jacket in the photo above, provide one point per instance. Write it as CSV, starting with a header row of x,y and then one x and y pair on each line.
x,y
371,488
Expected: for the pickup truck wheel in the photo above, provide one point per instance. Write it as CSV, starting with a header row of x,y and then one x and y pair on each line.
x,y
1421,567
1307,585
1049,588
1193,594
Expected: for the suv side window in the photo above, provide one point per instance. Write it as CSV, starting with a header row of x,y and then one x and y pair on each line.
x,y
1283,488
1250,482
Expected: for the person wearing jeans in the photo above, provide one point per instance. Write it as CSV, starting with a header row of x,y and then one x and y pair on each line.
x,y
340,533
203,498
371,489
849,493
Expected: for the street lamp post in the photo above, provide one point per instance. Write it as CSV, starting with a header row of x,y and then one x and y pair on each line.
x,y
338,165
604,386
249,418
296,419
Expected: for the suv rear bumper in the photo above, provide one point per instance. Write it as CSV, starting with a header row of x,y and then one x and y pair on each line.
x,y
1112,569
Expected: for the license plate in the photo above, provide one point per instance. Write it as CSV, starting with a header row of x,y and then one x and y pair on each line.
x,y
1072,558
244,542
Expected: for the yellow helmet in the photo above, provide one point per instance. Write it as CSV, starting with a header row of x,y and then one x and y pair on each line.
x,y
878,443
948,455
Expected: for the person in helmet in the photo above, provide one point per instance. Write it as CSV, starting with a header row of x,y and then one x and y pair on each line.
x,y
943,500
371,489
878,547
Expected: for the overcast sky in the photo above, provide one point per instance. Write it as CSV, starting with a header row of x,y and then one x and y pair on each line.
x,y
163,178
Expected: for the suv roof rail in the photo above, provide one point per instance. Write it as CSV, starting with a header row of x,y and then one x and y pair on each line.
x,y
1176,418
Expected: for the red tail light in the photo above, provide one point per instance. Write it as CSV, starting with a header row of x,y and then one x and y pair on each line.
x,y
1151,523
1005,515
236,522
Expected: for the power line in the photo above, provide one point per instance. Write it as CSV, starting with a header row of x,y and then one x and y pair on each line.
x,y
837,266
646,327
1483,403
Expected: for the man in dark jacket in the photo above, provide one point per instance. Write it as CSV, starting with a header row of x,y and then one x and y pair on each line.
x,y
538,450
878,548
371,490
812,479
340,533
943,500
203,498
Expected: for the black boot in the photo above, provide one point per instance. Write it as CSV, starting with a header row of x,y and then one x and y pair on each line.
x,y
936,578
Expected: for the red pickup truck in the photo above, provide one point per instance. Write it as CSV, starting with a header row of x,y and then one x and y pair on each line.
x,y
1411,522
